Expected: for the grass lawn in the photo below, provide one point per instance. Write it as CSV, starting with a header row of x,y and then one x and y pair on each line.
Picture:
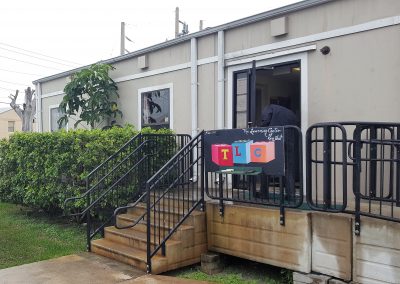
x,y
237,271
25,238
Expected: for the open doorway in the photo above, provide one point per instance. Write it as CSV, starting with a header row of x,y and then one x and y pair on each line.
x,y
258,87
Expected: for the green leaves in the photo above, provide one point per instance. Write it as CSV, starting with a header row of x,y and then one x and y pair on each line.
x,y
42,169
91,96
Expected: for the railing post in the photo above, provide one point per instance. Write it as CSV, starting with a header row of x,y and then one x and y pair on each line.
x,y
88,220
148,231
398,168
282,203
221,194
356,179
372,163
202,169
327,156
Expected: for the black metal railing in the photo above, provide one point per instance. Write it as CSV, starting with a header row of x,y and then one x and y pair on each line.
x,y
121,179
371,151
284,191
171,195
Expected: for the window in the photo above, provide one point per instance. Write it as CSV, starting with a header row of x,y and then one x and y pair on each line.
x,y
156,108
55,115
11,126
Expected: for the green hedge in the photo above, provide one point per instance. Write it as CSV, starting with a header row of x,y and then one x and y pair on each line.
x,y
41,170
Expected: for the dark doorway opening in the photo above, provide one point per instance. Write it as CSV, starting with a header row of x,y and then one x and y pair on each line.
x,y
258,87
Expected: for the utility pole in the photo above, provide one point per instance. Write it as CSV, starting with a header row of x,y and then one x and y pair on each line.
x,y
185,29
122,50
176,22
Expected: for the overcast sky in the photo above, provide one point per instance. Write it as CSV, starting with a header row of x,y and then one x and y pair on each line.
x,y
73,33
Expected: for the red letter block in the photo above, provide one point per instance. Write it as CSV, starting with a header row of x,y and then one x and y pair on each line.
x,y
262,152
222,154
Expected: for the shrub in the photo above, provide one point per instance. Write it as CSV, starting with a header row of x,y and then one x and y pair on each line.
x,y
41,170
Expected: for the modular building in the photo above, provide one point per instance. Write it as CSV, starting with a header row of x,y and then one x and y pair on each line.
x,y
327,61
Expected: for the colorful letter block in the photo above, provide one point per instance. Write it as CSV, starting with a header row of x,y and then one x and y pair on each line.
x,y
241,151
262,152
222,154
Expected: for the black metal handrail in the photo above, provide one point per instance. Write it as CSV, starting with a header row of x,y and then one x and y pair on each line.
x,y
137,151
133,143
121,178
372,153
284,191
175,190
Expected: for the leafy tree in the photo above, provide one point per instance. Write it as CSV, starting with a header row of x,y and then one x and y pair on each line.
x,y
92,95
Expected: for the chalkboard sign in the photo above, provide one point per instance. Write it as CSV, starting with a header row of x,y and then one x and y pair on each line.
x,y
258,149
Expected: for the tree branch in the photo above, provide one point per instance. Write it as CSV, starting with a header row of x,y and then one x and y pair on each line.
x,y
14,105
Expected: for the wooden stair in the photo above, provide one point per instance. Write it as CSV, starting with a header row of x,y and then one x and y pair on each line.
x,y
129,245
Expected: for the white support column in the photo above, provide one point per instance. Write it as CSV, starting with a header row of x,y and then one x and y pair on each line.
x,y
221,82
193,90
38,90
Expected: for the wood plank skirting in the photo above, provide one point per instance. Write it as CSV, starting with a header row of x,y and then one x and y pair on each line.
x,y
309,242
255,233
376,253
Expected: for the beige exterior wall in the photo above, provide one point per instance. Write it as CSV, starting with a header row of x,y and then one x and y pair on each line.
x,y
207,98
207,46
326,17
180,81
358,80
5,117
54,86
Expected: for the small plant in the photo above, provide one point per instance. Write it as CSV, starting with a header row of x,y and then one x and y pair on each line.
x,y
92,96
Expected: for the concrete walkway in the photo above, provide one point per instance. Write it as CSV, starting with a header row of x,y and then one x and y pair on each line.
x,y
82,268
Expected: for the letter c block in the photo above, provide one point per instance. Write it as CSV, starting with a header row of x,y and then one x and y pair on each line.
x,y
262,152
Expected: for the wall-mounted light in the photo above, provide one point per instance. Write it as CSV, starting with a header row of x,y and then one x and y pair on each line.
x,y
325,50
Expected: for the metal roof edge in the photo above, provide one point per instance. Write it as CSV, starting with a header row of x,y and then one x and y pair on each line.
x,y
237,23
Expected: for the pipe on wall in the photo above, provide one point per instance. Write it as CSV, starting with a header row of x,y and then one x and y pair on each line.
x,y
193,85
38,90
221,82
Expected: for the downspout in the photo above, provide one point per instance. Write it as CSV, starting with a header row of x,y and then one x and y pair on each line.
x,y
39,119
194,83
193,91
221,82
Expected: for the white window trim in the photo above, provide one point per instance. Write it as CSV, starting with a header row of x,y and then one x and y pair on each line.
x,y
8,126
169,86
53,107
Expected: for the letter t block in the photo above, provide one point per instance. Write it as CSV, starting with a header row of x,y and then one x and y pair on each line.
x,y
222,154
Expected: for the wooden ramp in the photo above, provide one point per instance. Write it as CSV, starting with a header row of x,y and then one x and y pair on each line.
x,y
129,245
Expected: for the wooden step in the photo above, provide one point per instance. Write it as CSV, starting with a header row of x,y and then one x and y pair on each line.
x,y
129,255
128,219
184,233
134,238
168,215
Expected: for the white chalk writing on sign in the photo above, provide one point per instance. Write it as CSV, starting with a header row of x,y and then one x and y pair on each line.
x,y
271,133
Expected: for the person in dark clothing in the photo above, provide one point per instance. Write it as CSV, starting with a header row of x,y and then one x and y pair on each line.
x,y
276,115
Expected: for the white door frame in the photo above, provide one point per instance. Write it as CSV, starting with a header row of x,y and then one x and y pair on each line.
x,y
302,57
